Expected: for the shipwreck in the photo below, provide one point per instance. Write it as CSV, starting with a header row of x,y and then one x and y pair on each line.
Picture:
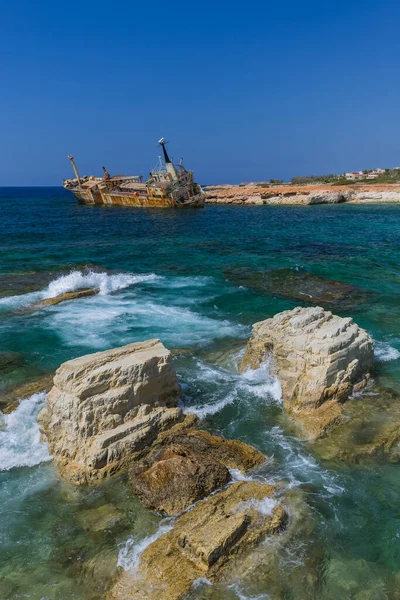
x,y
168,185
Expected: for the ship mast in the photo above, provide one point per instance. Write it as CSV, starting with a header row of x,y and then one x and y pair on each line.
x,y
71,158
168,163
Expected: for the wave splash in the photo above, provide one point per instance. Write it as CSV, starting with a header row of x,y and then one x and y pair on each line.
x,y
131,551
77,280
257,382
384,352
20,444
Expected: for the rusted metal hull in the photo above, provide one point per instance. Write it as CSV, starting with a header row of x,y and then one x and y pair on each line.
x,y
118,199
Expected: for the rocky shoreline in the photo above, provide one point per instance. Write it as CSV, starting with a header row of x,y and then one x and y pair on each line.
x,y
117,412
302,195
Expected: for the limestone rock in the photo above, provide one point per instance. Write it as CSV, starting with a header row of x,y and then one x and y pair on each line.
x,y
84,293
106,407
188,466
173,479
203,541
318,358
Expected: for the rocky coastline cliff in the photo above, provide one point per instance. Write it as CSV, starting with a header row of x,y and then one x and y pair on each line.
x,y
302,195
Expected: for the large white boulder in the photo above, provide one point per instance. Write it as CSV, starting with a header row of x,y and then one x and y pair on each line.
x,y
320,360
105,407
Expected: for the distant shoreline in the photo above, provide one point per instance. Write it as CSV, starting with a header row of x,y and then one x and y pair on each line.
x,y
287,194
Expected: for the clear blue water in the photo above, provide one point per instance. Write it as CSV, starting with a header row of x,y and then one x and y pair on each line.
x,y
166,274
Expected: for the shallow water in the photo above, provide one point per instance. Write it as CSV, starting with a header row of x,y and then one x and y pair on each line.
x,y
164,274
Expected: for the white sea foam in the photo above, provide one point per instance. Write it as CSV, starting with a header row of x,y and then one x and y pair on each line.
x,y
77,280
130,552
20,444
114,320
236,587
384,352
210,409
200,582
264,507
299,467
258,383
239,476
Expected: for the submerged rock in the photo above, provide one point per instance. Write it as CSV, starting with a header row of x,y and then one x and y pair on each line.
x,y
369,428
9,361
299,284
188,466
100,519
9,400
320,360
16,284
203,541
105,408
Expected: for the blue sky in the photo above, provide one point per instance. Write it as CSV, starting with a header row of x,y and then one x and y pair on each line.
x,y
243,91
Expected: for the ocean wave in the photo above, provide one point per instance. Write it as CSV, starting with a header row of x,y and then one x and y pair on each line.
x,y
298,467
384,352
20,444
132,549
114,320
77,280
256,383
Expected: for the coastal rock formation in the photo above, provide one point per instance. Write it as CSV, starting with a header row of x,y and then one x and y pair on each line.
x,y
186,467
301,194
277,195
84,293
319,358
105,408
217,532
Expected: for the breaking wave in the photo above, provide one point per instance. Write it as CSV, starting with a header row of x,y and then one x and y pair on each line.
x,y
384,352
20,444
77,280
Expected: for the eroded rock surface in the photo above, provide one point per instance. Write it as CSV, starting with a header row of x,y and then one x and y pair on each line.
x,y
105,408
301,194
319,358
203,541
186,467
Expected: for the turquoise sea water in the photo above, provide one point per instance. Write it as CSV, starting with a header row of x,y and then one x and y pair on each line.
x,y
168,274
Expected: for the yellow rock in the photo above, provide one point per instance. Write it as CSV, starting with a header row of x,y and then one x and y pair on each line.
x,y
221,529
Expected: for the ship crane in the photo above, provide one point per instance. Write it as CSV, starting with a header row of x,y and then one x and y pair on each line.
x,y
71,158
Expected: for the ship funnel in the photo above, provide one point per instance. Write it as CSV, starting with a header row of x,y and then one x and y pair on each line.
x,y
168,162
71,158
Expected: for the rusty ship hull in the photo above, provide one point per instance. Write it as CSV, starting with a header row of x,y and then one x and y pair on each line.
x,y
128,199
